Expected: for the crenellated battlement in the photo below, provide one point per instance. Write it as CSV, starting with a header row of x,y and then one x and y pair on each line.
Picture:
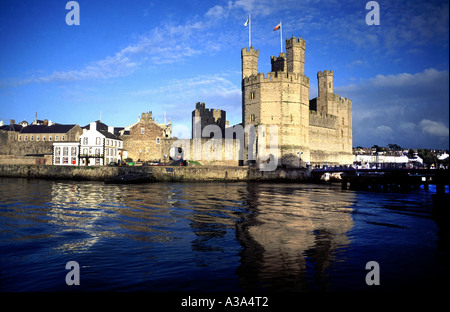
x,y
250,50
276,77
325,73
296,41
346,102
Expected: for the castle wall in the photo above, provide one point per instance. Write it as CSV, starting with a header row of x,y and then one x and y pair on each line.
x,y
331,136
223,152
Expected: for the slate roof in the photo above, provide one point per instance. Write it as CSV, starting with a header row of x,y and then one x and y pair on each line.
x,y
109,135
55,128
13,127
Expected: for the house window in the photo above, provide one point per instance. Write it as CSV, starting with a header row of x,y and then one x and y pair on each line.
x,y
63,138
65,151
31,138
65,160
49,137
97,151
73,160
58,151
252,117
37,138
148,150
142,130
26,138
43,138
57,160
158,140
85,140
20,138
56,138
107,142
73,151
97,140
97,161
252,95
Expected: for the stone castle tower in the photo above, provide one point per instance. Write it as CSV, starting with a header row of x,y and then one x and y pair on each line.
x,y
206,116
309,132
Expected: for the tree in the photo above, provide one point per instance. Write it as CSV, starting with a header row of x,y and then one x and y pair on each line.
x,y
394,147
428,156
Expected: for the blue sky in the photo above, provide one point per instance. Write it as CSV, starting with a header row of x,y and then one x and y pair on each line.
x,y
127,57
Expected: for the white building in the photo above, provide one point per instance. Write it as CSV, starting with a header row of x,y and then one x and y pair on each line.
x,y
66,153
99,147
95,148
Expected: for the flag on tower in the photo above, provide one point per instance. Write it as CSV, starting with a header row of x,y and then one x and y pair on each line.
x,y
249,24
277,27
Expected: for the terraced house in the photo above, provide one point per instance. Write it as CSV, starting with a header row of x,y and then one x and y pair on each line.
x,y
95,147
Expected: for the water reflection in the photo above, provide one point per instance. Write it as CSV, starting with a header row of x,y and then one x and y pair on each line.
x,y
187,236
293,236
77,211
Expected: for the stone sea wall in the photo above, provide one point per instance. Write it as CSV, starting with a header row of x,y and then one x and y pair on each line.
x,y
156,173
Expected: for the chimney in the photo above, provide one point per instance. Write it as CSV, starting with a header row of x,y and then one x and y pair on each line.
x,y
111,129
93,126
50,123
45,122
12,121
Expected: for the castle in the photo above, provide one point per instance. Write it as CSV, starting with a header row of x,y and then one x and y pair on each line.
x,y
317,131
307,132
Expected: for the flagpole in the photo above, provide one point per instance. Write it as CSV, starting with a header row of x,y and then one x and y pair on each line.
x,y
249,31
281,37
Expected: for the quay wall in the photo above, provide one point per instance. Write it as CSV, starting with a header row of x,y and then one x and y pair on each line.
x,y
156,173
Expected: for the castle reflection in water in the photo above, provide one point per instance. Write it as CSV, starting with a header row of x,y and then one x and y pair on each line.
x,y
289,234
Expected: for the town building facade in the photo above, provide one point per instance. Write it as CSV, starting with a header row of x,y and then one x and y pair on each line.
x,y
99,147
66,153
147,140
25,139
95,147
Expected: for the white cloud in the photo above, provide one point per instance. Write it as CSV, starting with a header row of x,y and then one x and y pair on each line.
x,y
162,45
384,131
409,108
434,128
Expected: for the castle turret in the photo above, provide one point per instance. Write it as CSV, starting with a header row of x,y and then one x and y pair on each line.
x,y
202,117
249,62
326,101
278,63
295,55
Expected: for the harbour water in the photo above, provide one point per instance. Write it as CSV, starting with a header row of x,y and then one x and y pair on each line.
x,y
215,237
